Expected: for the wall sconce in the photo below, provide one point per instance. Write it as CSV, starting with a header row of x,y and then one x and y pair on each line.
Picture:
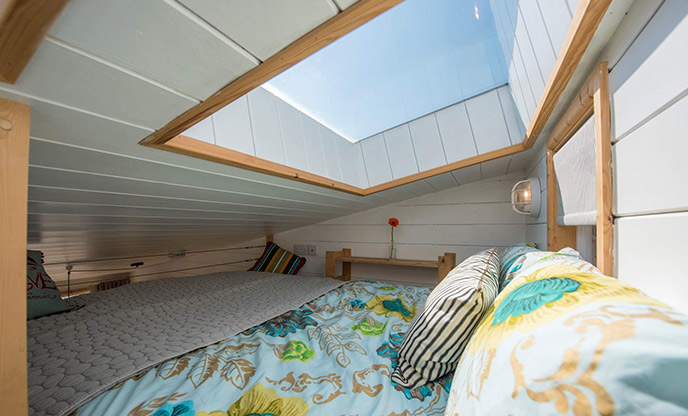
x,y
525,197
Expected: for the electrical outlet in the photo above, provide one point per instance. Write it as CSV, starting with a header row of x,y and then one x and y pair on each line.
x,y
312,250
300,249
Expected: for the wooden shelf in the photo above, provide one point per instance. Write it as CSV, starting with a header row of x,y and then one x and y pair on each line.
x,y
396,262
444,263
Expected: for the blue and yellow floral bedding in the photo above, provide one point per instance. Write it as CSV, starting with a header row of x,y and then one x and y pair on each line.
x,y
563,339
332,356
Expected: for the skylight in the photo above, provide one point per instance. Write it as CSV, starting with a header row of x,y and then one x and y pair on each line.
x,y
417,58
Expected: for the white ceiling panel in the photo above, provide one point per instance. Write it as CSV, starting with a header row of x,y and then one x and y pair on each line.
x,y
263,27
59,73
158,39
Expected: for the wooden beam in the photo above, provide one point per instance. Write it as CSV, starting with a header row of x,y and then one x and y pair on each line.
x,y
558,236
269,238
474,160
14,172
208,151
445,264
23,25
351,18
587,18
603,165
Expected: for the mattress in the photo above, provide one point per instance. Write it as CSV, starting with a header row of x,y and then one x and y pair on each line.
x,y
330,356
115,334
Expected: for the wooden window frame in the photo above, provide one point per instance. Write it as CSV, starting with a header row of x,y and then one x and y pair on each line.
x,y
583,25
592,101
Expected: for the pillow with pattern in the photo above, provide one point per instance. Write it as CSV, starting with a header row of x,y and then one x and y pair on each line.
x,y
275,259
42,295
438,334
509,259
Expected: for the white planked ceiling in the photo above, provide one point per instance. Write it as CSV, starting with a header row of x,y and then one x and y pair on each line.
x,y
109,74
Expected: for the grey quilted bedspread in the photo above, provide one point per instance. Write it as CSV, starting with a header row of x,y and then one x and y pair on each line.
x,y
116,333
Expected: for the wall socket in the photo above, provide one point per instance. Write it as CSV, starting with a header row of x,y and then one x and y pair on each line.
x,y
305,250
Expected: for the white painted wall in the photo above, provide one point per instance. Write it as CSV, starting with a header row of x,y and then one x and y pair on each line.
x,y
650,145
531,33
462,219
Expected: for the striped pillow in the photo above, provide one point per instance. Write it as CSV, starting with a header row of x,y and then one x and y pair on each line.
x,y
434,342
275,259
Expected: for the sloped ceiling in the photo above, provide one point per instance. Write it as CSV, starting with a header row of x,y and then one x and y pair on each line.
x,y
108,75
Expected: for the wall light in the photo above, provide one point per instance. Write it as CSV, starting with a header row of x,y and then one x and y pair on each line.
x,y
525,197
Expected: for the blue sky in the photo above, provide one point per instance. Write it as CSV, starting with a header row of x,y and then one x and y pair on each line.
x,y
418,57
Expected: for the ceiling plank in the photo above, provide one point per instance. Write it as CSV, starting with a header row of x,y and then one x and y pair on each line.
x,y
23,25
313,41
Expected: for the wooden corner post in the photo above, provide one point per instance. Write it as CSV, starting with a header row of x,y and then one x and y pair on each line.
x,y
445,264
331,259
14,173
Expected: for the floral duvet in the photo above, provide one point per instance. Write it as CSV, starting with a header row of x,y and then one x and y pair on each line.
x,y
331,356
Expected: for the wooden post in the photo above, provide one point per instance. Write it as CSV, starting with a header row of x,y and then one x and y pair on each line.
x,y
346,266
269,238
558,236
331,259
14,173
445,264
603,165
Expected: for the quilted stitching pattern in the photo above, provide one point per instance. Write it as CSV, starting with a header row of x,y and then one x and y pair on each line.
x,y
119,332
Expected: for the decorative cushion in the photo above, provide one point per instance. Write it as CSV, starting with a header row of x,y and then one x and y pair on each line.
x,y
42,296
275,259
562,338
434,342
509,259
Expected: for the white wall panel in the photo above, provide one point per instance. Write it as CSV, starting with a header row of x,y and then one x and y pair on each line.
x,y
233,127
514,123
402,156
442,182
267,137
539,38
345,151
292,136
557,19
456,133
360,172
495,167
427,142
129,33
463,220
329,138
650,167
203,131
647,77
467,175
314,145
265,27
650,254
487,120
376,160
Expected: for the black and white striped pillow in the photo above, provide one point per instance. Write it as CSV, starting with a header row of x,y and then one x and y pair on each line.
x,y
439,333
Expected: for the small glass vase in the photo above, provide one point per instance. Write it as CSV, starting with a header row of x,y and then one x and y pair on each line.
x,y
392,252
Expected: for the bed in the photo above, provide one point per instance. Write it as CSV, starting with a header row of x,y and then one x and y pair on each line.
x,y
294,345
560,338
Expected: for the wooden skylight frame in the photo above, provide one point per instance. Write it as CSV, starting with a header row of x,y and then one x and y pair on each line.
x,y
585,21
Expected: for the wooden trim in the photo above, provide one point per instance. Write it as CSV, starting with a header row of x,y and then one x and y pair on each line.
x,y
592,100
558,236
444,264
196,148
23,25
14,173
333,29
587,18
214,153
474,160
583,26
603,163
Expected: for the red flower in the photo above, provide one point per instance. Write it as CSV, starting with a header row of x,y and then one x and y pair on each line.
x,y
393,222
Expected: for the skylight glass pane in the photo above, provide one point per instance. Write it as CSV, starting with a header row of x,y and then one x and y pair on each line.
x,y
417,58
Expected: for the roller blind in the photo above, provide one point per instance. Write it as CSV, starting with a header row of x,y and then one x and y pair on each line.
x,y
574,166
